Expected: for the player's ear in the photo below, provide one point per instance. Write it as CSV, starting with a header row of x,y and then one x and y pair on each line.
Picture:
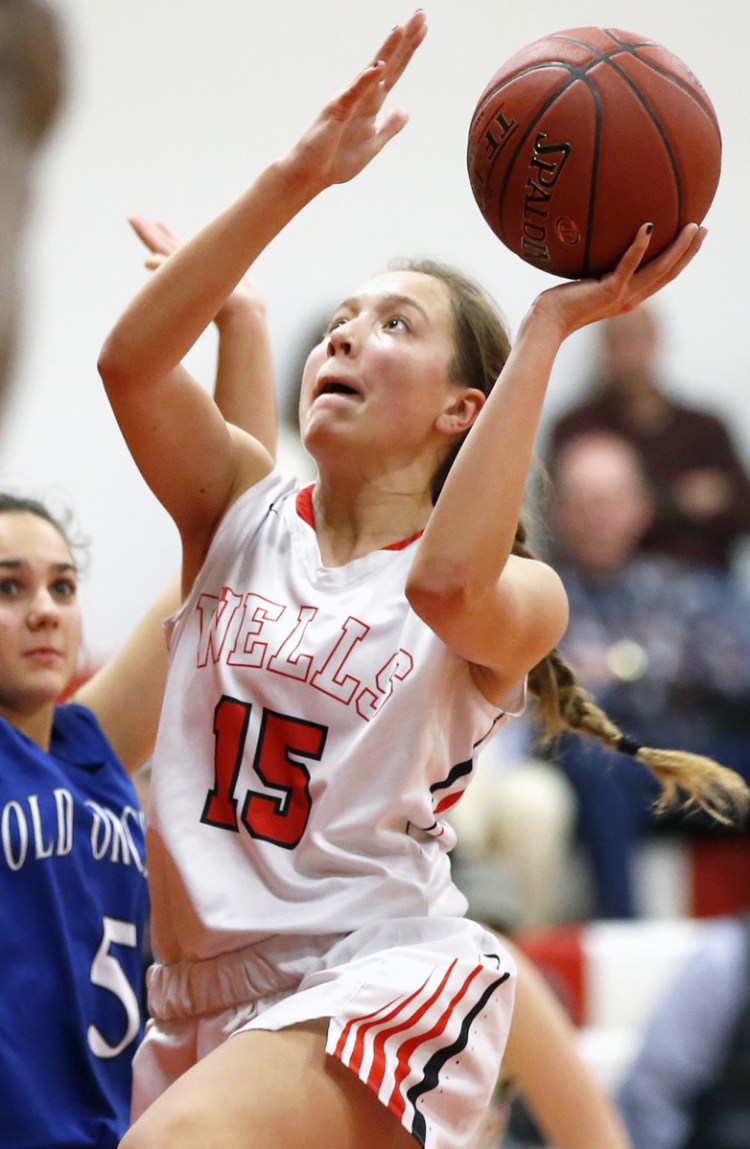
x,y
462,412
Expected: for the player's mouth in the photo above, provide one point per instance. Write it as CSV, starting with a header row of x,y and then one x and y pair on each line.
x,y
44,655
335,385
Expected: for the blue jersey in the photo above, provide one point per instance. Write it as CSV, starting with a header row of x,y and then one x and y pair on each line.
x,y
73,913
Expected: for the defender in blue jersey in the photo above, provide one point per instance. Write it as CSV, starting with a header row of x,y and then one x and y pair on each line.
x,y
73,911
73,890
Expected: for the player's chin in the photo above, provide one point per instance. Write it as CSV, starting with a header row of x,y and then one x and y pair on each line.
x,y
318,433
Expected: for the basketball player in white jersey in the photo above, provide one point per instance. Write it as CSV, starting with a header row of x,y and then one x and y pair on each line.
x,y
341,654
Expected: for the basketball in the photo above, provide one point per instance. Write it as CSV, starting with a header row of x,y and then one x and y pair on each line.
x,y
583,136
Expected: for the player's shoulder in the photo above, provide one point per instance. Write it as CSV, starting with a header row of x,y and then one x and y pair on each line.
x,y
252,504
78,738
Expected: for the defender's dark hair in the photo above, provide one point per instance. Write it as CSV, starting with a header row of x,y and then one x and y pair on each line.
x,y
11,504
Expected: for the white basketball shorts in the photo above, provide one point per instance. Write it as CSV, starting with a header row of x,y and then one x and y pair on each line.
x,y
419,1009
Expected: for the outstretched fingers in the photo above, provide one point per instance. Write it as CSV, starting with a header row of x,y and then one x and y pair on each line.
x,y
399,47
671,262
353,128
644,280
581,302
389,64
157,237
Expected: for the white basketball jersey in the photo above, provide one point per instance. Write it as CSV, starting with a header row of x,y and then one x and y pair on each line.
x,y
314,731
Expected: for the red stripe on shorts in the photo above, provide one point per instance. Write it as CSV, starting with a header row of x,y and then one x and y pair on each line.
x,y
379,1061
449,801
397,1102
365,1023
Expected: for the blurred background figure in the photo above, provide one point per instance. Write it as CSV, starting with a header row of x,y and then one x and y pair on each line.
x,y
32,84
700,487
662,643
689,1085
544,1074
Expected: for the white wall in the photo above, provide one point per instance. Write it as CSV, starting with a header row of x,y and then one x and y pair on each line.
x,y
175,104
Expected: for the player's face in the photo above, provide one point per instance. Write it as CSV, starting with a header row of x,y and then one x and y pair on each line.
x,y
380,376
40,619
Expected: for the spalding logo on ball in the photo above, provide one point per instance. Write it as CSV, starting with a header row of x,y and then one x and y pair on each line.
x,y
583,136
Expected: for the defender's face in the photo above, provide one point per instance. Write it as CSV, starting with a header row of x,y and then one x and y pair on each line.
x,y
40,619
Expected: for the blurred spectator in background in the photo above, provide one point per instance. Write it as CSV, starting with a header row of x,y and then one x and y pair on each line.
x,y
689,1085
663,644
701,488
32,81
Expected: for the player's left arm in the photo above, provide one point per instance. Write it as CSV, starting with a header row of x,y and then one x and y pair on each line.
x,y
501,612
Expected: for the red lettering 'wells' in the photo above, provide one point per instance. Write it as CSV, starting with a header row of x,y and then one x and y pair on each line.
x,y
216,615
331,678
258,610
287,660
396,669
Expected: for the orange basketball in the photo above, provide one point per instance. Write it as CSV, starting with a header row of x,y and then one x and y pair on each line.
x,y
583,136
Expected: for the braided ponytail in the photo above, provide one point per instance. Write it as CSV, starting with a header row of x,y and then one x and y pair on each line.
x,y
688,781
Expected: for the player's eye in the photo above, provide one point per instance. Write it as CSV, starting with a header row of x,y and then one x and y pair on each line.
x,y
336,322
64,589
9,587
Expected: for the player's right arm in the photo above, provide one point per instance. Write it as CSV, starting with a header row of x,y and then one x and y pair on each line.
x,y
244,388
195,463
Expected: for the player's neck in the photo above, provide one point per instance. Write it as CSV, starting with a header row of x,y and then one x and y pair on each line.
x,y
349,524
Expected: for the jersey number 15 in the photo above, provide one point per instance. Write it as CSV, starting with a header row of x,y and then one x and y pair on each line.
x,y
280,813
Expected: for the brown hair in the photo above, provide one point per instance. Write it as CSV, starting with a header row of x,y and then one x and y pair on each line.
x,y
482,346
11,504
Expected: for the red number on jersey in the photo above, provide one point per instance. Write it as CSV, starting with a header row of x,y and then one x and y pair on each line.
x,y
279,817
283,819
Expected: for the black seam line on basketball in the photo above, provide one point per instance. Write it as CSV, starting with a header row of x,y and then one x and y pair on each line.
x,y
664,137
431,1075
578,75
519,144
600,56
575,73
630,43
627,48
686,89
585,272
619,46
